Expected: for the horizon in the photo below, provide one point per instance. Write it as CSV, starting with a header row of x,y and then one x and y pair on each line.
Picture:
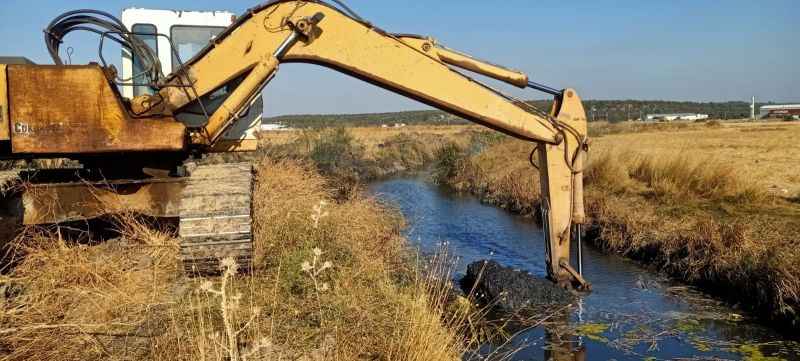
x,y
631,50
758,103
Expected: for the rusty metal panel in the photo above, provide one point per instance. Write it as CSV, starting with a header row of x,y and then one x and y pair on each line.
x,y
66,202
74,110
4,126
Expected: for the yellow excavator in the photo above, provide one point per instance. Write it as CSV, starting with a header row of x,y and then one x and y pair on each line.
x,y
137,153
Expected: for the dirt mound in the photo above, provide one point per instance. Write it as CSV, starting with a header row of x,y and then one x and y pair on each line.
x,y
510,290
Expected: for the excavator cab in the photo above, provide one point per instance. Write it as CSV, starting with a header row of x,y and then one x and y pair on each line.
x,y
177,36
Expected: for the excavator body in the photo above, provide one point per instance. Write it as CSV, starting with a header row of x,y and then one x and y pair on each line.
x,y
137,146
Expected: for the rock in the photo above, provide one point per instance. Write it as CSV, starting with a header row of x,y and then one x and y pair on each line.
x,y
511,290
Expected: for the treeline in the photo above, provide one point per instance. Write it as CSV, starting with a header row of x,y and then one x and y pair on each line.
x,y
596,110
363,120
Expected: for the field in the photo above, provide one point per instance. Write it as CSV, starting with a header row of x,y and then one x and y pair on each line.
x,y
714,204
764,153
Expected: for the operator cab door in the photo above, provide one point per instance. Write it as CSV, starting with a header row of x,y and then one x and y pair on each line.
x,y
190,32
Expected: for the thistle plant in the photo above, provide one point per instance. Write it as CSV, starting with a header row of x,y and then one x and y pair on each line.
x,y
318,213
314,269
229,302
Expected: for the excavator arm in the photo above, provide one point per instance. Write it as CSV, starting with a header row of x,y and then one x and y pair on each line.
x,y
248,54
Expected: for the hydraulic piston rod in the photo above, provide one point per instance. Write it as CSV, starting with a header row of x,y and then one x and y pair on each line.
x,y
545,88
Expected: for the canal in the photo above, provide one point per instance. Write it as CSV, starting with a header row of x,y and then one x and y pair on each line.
x,y
631,314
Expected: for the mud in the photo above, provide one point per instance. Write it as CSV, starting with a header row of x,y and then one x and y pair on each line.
x,y
510,290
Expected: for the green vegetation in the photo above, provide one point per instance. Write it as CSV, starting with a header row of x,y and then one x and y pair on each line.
x,y
363,120
593,331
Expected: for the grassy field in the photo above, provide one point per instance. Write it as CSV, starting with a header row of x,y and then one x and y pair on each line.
x,y
333,280
714,204
765,153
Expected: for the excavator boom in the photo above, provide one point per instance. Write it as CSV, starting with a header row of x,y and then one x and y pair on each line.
x,y
246,56
406,65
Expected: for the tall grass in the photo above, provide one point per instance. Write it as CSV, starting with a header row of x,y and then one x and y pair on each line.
x,y
70,298
332,280
683,177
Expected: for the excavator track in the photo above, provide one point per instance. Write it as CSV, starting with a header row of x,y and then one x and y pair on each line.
x,y
8,179
10,220
216,218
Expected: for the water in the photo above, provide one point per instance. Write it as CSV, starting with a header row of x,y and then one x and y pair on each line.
x,y
631,314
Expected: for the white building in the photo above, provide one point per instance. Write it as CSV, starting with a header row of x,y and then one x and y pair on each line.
x,y
676,116
779,111
273,127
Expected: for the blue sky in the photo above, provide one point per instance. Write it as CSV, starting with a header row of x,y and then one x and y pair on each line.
x,y
675,50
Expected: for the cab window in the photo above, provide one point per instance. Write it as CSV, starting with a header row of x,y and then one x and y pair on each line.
x,y
147,34
189,40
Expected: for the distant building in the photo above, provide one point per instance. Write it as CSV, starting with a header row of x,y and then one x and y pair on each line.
x,y
779,111
273,127
675,116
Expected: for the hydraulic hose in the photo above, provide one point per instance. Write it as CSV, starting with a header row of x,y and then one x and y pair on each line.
x,y
106,26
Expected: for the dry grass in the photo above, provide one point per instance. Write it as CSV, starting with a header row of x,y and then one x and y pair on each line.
x,y
332,281
764,153
706,204
374,137
350,157
70,301
684,178
381,151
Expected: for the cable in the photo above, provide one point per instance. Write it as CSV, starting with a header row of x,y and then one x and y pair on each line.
x,y
106,26
530,157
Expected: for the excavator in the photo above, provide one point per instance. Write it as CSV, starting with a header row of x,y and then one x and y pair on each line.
x,y
139,152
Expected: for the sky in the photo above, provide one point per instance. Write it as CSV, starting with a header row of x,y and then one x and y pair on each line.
x,y
696,50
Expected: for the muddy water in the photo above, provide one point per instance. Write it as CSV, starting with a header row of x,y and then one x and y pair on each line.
x,y
632,314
